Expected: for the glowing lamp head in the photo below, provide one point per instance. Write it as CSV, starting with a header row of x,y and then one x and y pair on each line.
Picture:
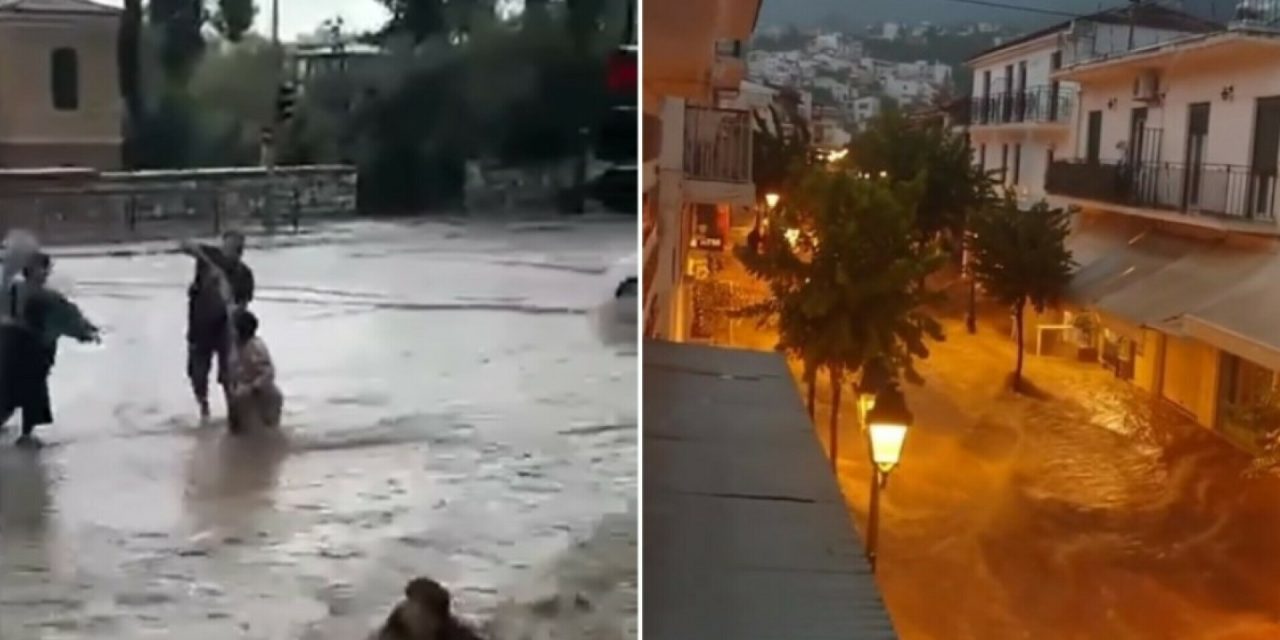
x,y
772,199
887,425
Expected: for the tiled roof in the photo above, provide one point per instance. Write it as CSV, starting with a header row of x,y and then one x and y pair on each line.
x,y
747,535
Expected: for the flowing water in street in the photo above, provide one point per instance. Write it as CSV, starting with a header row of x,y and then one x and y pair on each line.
x,y
450,411
1091,513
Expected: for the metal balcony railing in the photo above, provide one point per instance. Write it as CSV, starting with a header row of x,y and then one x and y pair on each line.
x,y
717,144
1045,104
1221,190
1257,14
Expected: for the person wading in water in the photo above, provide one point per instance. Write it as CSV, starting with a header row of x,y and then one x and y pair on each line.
x,y
223,284
30,348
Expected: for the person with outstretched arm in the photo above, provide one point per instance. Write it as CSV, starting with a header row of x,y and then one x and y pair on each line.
x,y
44,316
222,284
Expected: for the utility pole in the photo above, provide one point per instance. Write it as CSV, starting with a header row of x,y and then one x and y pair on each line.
x,y
274,145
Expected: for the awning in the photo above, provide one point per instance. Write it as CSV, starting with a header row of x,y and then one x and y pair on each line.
x,y
1245,318
1126,265
1161,296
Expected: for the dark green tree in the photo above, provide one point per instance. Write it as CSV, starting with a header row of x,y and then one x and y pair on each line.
x,y
128,57
780,149
843,266
234,18
178,24
904,150
1020,258
420,19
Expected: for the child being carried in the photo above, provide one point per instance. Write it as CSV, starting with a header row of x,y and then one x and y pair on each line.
x,y
256,401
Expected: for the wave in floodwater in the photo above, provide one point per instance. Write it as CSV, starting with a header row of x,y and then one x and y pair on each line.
x,y
331,298
587,593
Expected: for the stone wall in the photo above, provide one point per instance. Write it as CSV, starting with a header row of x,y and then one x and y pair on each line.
x,y
78,205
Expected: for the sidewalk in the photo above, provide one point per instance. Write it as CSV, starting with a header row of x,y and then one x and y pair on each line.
x,y
746,534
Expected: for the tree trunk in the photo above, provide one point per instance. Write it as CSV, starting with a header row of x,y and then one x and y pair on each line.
x,y
811,379
836,384
1017,372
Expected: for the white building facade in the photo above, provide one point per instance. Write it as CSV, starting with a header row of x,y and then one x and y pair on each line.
x,y
1020,118
1171,165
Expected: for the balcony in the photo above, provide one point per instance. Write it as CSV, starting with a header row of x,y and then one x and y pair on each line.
x,y
1037,105
1228,192
1256,14
717,145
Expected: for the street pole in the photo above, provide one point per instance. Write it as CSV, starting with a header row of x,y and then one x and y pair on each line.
x,y
873,518
278,54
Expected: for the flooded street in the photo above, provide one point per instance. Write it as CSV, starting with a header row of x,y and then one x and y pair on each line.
x,y
450,411
1089,513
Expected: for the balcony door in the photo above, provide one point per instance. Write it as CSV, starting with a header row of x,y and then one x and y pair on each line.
x,y
1193,172
986,96
1093,148
1055,87
1266,146
1007,109
1021,103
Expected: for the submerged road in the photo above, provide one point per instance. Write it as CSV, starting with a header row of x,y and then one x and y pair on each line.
x,y
449,411
1086,512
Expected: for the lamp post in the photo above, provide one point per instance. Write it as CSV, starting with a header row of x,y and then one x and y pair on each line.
x,y
887,424
753,239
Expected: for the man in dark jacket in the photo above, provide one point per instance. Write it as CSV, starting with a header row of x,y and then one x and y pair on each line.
x,y
223,283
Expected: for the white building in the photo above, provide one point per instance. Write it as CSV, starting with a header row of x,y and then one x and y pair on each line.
x,y
1171,162
865,109
1022,115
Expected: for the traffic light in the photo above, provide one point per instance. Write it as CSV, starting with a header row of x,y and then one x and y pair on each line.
x,y
286,100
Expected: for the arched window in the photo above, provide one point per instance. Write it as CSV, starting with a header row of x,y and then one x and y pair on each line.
x,y
65,67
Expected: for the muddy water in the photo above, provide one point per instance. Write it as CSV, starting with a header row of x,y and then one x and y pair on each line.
x,y
451,411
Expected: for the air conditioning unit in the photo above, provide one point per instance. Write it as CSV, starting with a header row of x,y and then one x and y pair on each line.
x,y
1146,87
729,48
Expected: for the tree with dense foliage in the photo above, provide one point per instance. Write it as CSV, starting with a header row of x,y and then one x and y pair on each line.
x,y
420,19
128,56
778,152
1020,258
178,24
954,185
846,290
234,18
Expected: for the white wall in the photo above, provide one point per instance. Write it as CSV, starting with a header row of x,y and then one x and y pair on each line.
x,y
1039,65
1230,121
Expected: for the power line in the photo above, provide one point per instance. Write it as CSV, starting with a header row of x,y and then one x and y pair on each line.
x,y
1016,7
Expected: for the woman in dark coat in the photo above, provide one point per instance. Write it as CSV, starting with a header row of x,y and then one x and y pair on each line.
x,y
29,347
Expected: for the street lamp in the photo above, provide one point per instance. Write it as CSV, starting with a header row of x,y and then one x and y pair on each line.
x,y
887,425
772,199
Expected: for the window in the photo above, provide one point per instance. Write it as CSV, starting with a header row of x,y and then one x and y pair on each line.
x,y
982,157
65,79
